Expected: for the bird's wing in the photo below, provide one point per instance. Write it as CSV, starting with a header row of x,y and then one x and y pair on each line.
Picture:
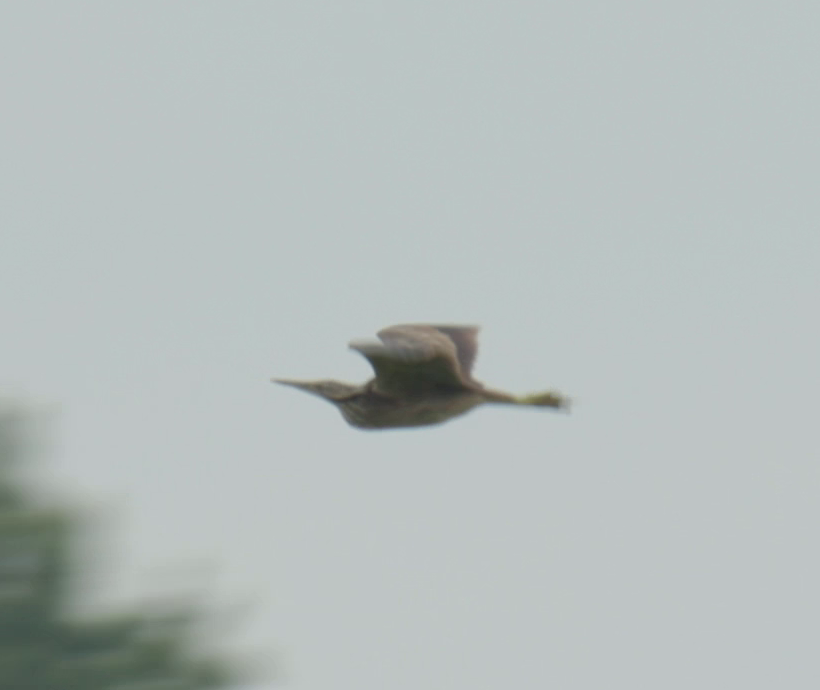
x,y
413,359
465,338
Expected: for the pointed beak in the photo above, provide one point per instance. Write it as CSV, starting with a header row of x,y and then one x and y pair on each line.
x,y
306,386
289,382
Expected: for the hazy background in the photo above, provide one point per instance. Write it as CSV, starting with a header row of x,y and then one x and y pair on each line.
x,y
196,196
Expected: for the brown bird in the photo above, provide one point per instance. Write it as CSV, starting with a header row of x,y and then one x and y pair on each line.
x,y
422,377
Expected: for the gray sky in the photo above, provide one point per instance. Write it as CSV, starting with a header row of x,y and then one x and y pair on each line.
x,y
196,196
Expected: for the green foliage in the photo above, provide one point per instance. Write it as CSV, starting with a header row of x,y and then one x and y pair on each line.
x,y
41,648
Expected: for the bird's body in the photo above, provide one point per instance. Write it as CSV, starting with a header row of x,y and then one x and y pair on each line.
x,y
369,409
423,377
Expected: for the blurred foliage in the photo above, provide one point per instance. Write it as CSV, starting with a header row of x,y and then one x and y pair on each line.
x,y
41,648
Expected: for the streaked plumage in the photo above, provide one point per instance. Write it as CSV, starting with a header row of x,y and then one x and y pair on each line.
x,y
423,376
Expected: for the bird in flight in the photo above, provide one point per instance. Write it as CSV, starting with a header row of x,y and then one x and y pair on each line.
x,y
422,377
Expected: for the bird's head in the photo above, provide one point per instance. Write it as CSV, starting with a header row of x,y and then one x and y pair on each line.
x,y
333,391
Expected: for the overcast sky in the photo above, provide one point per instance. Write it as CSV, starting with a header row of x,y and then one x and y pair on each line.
x,y
197,196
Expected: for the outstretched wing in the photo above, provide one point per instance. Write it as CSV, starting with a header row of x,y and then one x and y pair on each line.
x,y
415,358
465,338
